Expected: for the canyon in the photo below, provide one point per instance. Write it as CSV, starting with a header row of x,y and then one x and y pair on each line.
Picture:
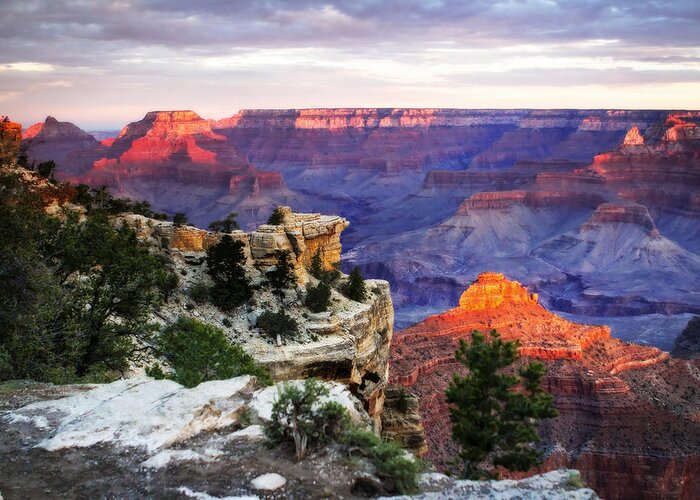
x,y
629,415
596,210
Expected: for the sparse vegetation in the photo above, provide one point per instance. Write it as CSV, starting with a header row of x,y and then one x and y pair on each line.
x,y
493,413
394,466
316,269
198,352
403,402
298,416
226,225
199,292
575,480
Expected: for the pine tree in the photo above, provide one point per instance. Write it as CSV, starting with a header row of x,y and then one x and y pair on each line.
x,y
228,224
355,288
318,297
282,277
493,413
225,261
179,219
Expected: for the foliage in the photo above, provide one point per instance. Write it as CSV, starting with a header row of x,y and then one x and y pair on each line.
x,y
228,224
101,201
282,276
278,323
179,219
575,481
398,470
46,169
75,295
316,269
493,413
225,262
318,297
276,217
355,288
299,416
199,292
198,352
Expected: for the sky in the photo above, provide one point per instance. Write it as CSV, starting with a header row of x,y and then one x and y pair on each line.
x,y
104,63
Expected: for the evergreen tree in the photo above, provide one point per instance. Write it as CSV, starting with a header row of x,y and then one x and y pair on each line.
x,y
225,261
318,297
179,219
228,224
493,412
317,270
198,352
355,288
276,217
282,277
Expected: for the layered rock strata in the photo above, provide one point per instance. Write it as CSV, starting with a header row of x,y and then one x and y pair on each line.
x,y
623,407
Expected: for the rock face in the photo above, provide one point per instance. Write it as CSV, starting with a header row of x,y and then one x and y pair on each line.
x,y
401,420
349,343
687,344
613,420
10,137
61,142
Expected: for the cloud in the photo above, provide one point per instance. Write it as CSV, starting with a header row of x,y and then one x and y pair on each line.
x,y
365,51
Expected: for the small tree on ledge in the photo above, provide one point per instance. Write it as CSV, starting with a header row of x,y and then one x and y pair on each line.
x,y
276,217
179,219
355,288
493,414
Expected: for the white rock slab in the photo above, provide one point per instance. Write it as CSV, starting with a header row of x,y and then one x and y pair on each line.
x,y
268,482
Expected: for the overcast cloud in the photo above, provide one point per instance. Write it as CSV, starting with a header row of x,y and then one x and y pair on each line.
x,y
104,63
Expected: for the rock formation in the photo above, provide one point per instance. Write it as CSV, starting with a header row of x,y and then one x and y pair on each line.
x,y
10,137
623,407
687,344
62,142
349,343
401,420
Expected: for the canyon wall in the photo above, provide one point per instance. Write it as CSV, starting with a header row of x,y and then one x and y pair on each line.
x,y
629,416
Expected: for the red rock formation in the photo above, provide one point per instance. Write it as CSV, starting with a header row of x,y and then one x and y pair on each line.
x,y
629,417
61,142
10,137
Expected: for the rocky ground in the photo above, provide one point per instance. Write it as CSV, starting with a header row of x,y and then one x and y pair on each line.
x,y
90,442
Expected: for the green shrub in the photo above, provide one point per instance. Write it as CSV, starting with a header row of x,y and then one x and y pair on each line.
x,y
318,297
198,352
226,322
575,481
316,269
179,219
298,416
355,288
199,293
278,323
228,224
403,403
276,217
398,470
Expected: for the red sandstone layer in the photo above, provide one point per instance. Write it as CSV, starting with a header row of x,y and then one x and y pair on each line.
x,y
620,404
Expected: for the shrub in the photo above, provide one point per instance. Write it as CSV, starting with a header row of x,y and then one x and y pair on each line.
x,y
46,169
403,403
278,323
298,416
198,352
318,297
199,293
226,322
228,224
575,481
179,219
398,470
276,217
355,288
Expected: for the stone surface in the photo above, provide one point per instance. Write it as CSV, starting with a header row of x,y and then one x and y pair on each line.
x,y
268,482
623,407
687,344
